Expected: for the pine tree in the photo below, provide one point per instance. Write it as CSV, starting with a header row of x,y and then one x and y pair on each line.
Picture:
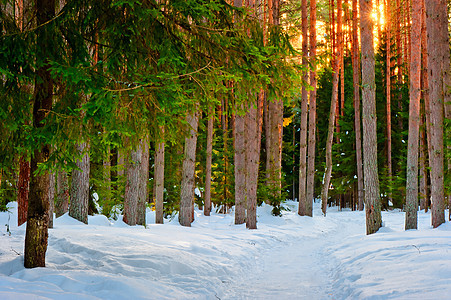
x,y
312,114
36,236
371,178
188,176
159,178
414,119
357,122
79,191
207,193
304,107
438,51
332,114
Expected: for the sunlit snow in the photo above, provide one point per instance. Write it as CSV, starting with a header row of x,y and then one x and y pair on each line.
x,y
288,257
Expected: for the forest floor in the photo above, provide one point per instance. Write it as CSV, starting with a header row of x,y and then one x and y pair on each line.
x,y
288,257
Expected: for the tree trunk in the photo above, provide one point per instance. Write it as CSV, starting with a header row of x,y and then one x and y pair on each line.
x,y
107,174
438,45
23,190
253,134
332,114
312,114
79,192
388,95
302,210
414,120
188,171
398,20
240,169
143,180
207,194
423,170
357,123
132,172
159,181
371,180
62,193
425,96
51,198
275,120
36,236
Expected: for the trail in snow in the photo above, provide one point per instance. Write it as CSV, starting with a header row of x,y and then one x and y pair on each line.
x,y
300,267
289,257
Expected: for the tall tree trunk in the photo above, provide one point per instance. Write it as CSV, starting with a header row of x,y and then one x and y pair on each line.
x,y
188,169
333,107
312,114
240,157
275,120
388,96
253,134
24,164
132,172
159,180
23,187
371,180
438,50
357,123
36,236
240,169
143,180
425,95
414,120
398,20
423,170
79,191
207,194
304,107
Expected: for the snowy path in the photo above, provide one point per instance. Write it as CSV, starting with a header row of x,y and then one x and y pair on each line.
x,y
300,267
289,271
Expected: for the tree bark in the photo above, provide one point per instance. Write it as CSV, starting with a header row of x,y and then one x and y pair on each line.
x,y
371,180
414,119
423,170
425,96
188,169
51,198
302,210
253,134
79,192
23,190
388,96
132,172
207,194
240,169
332,114
107,174
312,114
275,122
438,45
159,181
357,122
36,236
62,193
143,180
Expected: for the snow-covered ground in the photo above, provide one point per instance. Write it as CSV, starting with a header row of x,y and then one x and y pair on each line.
x,y
289,257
